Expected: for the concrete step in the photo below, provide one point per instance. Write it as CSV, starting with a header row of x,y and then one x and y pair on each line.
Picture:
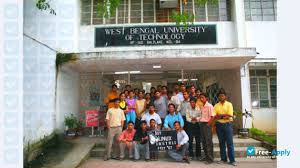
x,y
237,143
240,152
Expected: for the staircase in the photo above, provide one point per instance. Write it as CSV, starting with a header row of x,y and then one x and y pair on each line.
x,y
240,148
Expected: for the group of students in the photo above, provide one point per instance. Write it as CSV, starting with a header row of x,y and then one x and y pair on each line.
x,y
132,114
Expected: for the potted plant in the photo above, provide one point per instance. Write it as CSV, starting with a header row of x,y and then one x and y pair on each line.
x,y
80,128
71,125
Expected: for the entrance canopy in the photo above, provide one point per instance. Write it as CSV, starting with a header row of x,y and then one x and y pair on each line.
x,y
162,60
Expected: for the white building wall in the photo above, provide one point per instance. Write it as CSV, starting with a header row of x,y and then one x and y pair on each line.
x,y
39,90
263,36
265,119
67,101
58,31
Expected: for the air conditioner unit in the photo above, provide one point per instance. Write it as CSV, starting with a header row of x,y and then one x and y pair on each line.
x,y
168,3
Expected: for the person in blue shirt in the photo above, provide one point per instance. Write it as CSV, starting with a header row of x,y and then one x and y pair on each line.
x,y
172,117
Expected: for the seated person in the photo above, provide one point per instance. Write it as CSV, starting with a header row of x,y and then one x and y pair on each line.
x,y
140,142
180,154
152,115
126,139
172,117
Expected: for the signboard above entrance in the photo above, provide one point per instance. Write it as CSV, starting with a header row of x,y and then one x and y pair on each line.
x,y
155,35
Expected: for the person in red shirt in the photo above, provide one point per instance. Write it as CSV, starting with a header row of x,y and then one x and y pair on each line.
x,y
125,141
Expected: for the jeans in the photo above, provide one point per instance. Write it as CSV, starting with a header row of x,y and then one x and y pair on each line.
x,y
130,116
138,147
207,141
225,136
193,130
179,154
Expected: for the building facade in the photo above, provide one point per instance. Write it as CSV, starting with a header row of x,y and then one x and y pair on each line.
x,y
231,45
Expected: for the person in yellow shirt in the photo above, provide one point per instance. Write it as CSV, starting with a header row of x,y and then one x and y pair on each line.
x,y
223,118
113,94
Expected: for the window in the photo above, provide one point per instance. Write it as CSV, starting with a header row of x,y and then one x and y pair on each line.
x,y
263,88
260,10
148,11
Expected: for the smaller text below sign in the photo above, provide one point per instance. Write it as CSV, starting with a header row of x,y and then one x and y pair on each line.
x,y
162,140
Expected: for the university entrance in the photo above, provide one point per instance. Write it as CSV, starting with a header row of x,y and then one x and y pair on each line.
x,y
89,79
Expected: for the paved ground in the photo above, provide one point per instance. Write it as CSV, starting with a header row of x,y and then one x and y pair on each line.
x,y
244,163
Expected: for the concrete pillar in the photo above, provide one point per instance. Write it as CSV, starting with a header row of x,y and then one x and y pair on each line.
x,y
238,16
246,94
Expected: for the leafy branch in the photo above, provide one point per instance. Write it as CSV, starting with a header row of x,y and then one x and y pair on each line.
x,y
44,5
108,8
182,18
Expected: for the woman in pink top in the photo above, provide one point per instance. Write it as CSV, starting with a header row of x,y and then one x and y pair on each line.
x,y
131,114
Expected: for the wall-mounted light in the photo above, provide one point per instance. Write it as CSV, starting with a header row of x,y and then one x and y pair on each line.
x,y
156,66
126,72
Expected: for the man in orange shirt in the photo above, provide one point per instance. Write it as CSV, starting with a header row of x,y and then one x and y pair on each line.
x,y
113,94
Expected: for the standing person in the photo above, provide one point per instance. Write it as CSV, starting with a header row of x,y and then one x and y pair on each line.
x,y
198,92
147,101
160,105
136,93
152,115
123,105
180,154
172,117
158,88
174,100
140,107
113,94
193,93
199,103
207,115
164,91
126,92
193,129
140,141
128,87
152,129
224,114
125,140
152,94
185,105
180,94
131,102
114,121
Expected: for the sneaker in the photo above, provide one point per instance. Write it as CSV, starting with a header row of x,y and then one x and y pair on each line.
x,y
106,159
233,163
221,162
116,158
147,160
